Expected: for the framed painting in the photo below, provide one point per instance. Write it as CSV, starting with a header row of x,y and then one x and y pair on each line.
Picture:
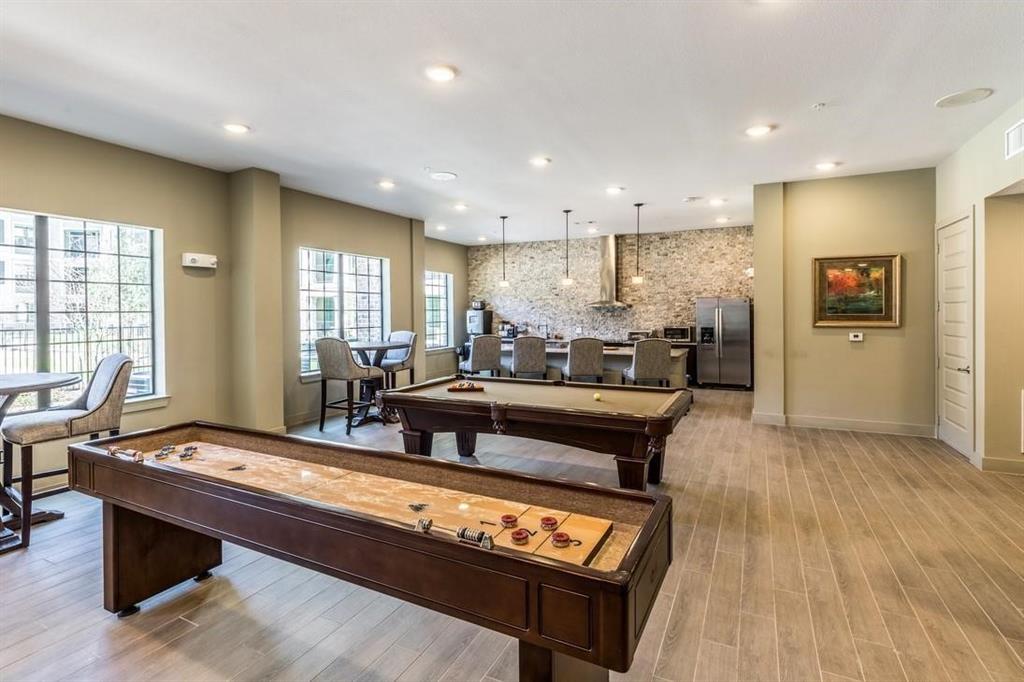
x,y
857,292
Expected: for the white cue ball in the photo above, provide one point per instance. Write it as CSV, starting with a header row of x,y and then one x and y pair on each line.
x,y
597,396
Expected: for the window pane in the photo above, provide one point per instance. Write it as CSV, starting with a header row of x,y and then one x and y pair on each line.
x,y
136,270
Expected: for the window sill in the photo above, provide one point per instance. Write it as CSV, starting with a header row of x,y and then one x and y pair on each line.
x,y
439,351
149,402
309,378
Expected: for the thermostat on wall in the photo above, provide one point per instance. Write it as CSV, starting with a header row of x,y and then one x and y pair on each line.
x,y
198,260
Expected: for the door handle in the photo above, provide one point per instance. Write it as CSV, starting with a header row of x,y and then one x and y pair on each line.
x,y
718,332
964,370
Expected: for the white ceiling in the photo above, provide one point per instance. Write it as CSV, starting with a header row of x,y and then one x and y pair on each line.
x,y
650,96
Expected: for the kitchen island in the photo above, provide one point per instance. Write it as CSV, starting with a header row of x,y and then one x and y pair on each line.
x,y
616,359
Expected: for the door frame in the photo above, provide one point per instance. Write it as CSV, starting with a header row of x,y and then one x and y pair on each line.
x,y
969,214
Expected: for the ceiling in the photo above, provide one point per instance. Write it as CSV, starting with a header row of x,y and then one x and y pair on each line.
x,y
653,97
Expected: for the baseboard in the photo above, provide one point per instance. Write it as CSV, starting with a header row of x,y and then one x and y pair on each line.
x,y
1002,465
768,418
302,418
897,428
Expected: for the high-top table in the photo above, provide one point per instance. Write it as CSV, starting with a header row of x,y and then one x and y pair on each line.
x,y
368,387
11,386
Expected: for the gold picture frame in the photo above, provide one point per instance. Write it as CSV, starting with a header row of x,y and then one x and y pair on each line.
x,y
857,291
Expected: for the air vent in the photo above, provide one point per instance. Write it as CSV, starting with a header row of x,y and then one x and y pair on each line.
x,y
1015,139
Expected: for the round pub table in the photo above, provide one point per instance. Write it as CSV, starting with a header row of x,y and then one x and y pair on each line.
x,y
368,387
11,386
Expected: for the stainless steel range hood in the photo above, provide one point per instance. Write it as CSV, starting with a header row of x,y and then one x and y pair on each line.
x,y
607,296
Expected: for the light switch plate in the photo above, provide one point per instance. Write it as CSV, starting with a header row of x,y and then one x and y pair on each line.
x,y
856,337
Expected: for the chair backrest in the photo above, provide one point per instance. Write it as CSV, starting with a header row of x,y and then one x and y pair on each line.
x,y
402,354
529,354
334,356
485,353
586,357
109,385
652,359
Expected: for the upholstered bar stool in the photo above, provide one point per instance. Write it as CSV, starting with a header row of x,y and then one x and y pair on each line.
x,y
652,361
334,356
484,355
98,409
529,356
401,359
586,360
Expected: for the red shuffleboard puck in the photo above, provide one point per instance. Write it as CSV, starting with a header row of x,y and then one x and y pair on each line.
x,y
509,520
549,523
560,539
520,537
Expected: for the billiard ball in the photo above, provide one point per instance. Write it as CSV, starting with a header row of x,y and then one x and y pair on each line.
x,y
597,397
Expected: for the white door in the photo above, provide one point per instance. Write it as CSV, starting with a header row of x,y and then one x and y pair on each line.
x,y
955,329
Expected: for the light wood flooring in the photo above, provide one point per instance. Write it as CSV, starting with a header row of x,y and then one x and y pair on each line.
x,y
800,554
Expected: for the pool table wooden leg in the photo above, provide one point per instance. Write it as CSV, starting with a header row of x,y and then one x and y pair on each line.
x,y
537,664
143,556
465,441
418,442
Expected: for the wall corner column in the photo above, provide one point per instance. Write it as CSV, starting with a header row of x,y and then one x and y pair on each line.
x,y
769,306
418,246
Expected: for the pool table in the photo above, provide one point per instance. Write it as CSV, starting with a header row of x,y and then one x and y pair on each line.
x,y
629,422
478,544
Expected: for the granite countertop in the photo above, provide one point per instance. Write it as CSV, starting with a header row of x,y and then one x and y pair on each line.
x,y
556,347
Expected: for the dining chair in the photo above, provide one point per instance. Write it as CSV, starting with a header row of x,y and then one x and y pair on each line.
x,y
336,362
484,355
97,409
400,359
652,361
529,356
585,360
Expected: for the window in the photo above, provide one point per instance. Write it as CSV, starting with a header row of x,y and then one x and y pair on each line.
x,y
438,291
340,294
72,292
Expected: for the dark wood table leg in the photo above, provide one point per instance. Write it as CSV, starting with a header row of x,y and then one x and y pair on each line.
x,y
19,503
418,442
367,394
143,556
465,441
537,664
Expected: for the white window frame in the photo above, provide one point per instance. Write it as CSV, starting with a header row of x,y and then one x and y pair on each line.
x,y
450,311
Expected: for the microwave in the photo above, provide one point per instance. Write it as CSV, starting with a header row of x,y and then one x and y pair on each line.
x,y
679,334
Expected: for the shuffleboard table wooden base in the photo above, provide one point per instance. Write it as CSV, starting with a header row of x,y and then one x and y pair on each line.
x,y
629,422
435,533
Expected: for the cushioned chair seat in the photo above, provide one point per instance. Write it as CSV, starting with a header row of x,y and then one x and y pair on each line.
x,y
395,365
39,427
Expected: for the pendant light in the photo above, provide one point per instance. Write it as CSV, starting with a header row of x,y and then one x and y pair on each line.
x,y
504,280
567,280
638,278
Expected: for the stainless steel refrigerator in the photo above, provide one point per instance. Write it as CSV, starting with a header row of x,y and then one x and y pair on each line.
x,y
723,341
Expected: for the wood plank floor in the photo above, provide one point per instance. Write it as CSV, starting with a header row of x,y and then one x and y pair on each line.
x,y
801,554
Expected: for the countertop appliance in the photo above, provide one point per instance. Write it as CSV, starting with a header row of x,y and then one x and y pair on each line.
x,y
684,334
478,304
639,334
723,341
479,322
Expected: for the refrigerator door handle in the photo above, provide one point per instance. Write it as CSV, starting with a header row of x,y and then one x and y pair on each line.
x,y
718,332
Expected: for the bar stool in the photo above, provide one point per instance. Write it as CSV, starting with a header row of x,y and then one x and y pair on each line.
x,y
652,361
334,356
484,355
586,359
401,359
529,356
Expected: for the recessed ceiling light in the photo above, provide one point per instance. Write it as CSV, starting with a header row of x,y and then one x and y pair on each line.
x,y
759,130
441,73
384,183
614,190
481,238
717,201
592,230
440,228
826,165
237,128
690,200
460,207
443,176
722,219
540,161
959,99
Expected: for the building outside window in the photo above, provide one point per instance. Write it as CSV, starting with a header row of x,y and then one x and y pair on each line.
x,y
73,291
340,294
438,292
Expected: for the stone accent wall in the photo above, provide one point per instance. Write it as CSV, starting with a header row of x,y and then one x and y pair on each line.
x,y
677,267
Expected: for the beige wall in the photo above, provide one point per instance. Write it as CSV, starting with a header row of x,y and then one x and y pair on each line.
x,y
769,307
975,171
1004,331
315,221
885,383
50,171
451,258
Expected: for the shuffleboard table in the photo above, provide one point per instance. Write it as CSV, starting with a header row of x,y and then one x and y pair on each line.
x,y
570,569
629,422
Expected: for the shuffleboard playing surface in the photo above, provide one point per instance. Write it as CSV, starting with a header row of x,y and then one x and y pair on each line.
x,y
595,542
